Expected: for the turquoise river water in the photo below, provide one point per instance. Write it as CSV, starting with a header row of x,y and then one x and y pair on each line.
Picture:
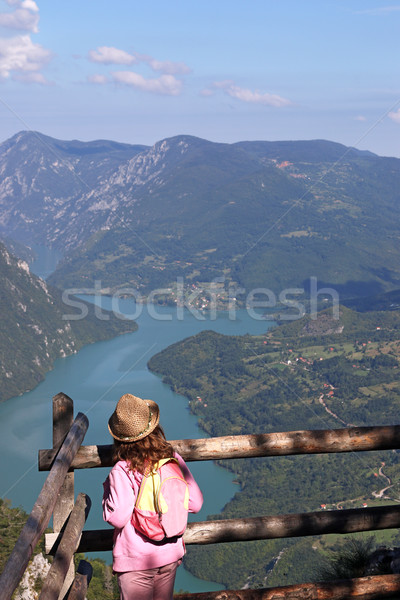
x,y
95,378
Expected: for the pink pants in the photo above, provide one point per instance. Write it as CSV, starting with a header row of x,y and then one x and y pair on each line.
x,y
150,584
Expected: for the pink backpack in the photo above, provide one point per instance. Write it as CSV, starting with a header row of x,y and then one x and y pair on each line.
x,y
162,503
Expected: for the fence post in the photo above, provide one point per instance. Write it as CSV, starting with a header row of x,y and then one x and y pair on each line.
x,y
42,510
56,577
81,582
63,417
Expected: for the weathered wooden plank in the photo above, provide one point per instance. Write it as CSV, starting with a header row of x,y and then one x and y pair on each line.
x,y
294,525
92,540
63,417
69,542
81,582
41,512
270,527
89,457
63,411
365,588
350,439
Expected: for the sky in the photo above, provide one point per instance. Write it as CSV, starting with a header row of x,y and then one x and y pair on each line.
x,y
226,71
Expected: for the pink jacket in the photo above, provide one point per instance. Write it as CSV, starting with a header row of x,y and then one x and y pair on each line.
x,y
131,550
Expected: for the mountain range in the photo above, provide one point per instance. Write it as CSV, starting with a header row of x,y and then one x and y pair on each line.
x,y
254,214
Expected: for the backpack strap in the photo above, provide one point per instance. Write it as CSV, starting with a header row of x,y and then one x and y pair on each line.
x,y
152,472
164,461
149,473
156,489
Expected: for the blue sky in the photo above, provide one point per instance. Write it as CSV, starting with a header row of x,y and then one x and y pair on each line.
x,y
138,72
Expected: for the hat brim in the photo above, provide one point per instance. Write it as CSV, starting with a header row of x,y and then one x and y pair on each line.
x,y
153,422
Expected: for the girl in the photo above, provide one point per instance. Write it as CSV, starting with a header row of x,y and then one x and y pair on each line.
x,y
145,569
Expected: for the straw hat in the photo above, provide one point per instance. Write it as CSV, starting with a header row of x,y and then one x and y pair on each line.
x,y
133,418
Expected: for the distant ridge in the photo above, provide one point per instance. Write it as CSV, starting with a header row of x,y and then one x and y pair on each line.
x,y
309,150
256,214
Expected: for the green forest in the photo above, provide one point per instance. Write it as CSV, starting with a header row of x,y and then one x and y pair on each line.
x,y
102,586
235,193
308,374
35,325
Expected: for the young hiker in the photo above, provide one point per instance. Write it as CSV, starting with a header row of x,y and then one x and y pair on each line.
x,y
145,568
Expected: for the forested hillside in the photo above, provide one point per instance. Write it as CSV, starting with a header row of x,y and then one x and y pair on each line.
x,y
12,520
36,329
303,375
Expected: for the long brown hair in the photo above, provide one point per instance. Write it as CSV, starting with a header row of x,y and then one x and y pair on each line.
x,y
143,453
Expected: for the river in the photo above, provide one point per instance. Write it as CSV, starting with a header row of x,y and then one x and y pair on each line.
x,y
95,378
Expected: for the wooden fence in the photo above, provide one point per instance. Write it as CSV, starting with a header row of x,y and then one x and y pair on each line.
x,y
57,497
50,500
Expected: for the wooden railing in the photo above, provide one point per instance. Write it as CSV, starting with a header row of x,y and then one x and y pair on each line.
x,y
68,454
38,520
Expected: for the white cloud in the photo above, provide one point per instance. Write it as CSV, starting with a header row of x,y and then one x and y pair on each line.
x,y
25,17
30,5
19,56
167,67
20,19
395,116
360,118
108,55
100,79
245,95
166,85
